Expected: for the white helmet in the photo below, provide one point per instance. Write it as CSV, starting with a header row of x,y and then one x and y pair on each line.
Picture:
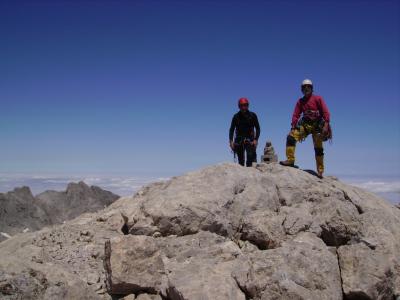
x,y
306,82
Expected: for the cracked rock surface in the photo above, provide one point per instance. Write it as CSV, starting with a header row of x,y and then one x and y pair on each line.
x,y
224,232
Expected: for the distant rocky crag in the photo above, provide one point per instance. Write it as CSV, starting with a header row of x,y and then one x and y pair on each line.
x,y
21,211
224,232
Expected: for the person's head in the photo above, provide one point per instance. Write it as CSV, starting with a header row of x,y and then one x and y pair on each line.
x,y
243,104
307,87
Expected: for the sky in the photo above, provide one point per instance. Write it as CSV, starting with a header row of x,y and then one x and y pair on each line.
x,y
148,88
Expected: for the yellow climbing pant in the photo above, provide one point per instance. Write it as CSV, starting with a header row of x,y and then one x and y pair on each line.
x,y
299,134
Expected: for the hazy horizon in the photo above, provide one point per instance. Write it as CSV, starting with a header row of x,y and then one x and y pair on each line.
x,y
388,187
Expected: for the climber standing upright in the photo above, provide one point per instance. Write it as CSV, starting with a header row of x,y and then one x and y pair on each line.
x,y
310,116
246,128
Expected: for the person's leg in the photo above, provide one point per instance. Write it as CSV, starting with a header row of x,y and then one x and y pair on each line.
x,y
239,149
251,155
319,153
294,136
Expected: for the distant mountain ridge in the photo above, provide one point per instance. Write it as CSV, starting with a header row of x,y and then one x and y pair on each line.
x,y
20,210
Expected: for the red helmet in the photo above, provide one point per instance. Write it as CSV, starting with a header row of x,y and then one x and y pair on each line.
x,y
243,101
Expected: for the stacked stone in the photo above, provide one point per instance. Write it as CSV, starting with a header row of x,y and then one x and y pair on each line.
x,y
269,153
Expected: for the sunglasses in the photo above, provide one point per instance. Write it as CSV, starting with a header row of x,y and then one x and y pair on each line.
x,y
244,105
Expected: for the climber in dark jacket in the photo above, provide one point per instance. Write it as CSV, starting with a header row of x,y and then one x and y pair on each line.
x,y
243,125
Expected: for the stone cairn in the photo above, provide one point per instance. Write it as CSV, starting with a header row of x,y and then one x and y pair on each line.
x,y
269,154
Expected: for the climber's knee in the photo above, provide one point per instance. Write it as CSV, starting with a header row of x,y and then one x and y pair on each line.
x,y
290,141
319,151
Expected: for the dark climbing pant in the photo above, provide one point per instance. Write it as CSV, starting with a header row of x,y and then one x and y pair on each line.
x,y
251,155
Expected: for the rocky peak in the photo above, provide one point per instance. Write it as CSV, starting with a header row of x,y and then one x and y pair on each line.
x,y
76,188
223,232
23,192
77,199
19,212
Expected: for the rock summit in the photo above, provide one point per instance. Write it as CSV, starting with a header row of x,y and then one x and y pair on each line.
x,y
224,232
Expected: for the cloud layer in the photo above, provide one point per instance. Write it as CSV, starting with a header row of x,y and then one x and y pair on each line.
x,y
380,186
388,188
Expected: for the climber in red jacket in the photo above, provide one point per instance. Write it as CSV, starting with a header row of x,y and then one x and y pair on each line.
x,y
310,116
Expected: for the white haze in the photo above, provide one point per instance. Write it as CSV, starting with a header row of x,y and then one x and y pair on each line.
x,y
388,188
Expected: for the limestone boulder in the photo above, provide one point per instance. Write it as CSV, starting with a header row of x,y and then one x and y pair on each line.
x,y
223,232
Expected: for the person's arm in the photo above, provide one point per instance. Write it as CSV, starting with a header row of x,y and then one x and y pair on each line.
x,y
232,129
257,126
231,132
296,114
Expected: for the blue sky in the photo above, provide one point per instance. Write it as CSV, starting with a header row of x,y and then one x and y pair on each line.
x,y
149,87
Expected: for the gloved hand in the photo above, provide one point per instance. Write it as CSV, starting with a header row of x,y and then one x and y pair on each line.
x,y
232,145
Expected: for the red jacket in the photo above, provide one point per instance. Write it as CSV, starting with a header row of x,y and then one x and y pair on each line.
x,y
314,103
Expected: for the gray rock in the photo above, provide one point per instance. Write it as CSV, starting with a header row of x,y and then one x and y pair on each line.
x,y
133,264
18,210
269,153
366,273
173,266
224,232
146,297
92,278
200,266
302,268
